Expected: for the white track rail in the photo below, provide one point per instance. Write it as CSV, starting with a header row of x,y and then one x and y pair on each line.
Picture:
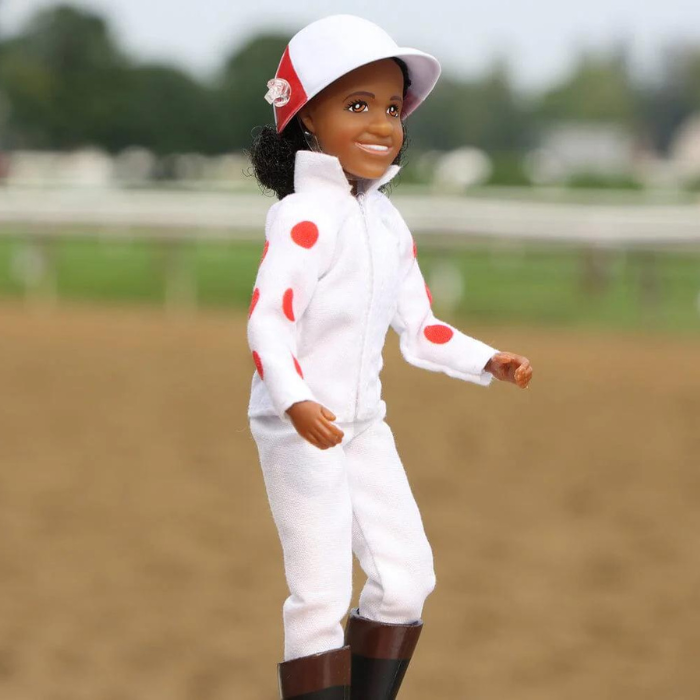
x,y
216,215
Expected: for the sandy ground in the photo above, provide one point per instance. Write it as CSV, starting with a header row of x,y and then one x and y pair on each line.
x,y
139,560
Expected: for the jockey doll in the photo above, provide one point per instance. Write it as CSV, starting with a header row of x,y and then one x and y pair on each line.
x,y
339,267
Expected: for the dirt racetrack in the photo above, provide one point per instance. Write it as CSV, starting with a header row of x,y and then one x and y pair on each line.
x,y
139,560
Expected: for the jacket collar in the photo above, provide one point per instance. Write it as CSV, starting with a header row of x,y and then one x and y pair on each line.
x,y
313,170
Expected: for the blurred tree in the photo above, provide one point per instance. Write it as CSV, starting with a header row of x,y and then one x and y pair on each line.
x,y
71,40
507,127
67,83
58,74
70,85
27,86
667,102
600,88
165,110
485,113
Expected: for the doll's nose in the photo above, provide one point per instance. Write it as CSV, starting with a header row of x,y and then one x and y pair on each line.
x,y
382,126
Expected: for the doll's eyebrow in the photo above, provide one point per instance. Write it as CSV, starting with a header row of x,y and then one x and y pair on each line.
x,y
370,94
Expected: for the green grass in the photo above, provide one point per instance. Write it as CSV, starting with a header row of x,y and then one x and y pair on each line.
x,y
550,287
135,271
514,286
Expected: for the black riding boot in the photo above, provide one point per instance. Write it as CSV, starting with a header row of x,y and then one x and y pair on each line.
x,y
323,676
380,655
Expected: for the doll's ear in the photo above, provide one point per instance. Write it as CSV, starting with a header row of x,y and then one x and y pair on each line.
x,y
306,121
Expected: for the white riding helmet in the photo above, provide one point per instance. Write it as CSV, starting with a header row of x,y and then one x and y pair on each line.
x,y
327,49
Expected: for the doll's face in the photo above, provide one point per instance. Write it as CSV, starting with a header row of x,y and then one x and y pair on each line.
x,y
361,107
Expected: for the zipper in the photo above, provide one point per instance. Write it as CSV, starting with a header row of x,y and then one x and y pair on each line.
x,y
360,199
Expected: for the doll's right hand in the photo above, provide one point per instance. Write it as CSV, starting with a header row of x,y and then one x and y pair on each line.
x,y
313,422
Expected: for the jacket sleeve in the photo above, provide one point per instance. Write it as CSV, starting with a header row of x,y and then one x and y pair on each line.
x,y
426,341
300,240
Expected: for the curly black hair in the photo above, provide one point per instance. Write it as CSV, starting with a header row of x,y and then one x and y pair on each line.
x,y
272,155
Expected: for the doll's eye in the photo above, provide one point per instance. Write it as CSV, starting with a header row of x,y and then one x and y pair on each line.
x,y
356,102
350,106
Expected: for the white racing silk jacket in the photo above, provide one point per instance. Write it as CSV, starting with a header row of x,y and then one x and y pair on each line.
x,y
336,272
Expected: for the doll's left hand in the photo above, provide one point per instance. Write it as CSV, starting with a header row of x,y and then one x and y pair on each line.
x,y
509,367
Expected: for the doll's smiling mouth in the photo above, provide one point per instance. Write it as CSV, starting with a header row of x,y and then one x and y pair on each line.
x,y
373,148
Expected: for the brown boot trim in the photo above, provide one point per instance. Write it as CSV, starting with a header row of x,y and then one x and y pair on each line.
x,y
308,674
381,640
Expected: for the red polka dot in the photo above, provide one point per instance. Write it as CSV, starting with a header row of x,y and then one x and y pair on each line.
x,y
264,253
298,367
415,249
438,333
258,363
305,234
287,300
254,301
430,296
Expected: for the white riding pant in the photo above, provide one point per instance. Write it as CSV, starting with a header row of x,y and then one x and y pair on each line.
x,y
327,504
